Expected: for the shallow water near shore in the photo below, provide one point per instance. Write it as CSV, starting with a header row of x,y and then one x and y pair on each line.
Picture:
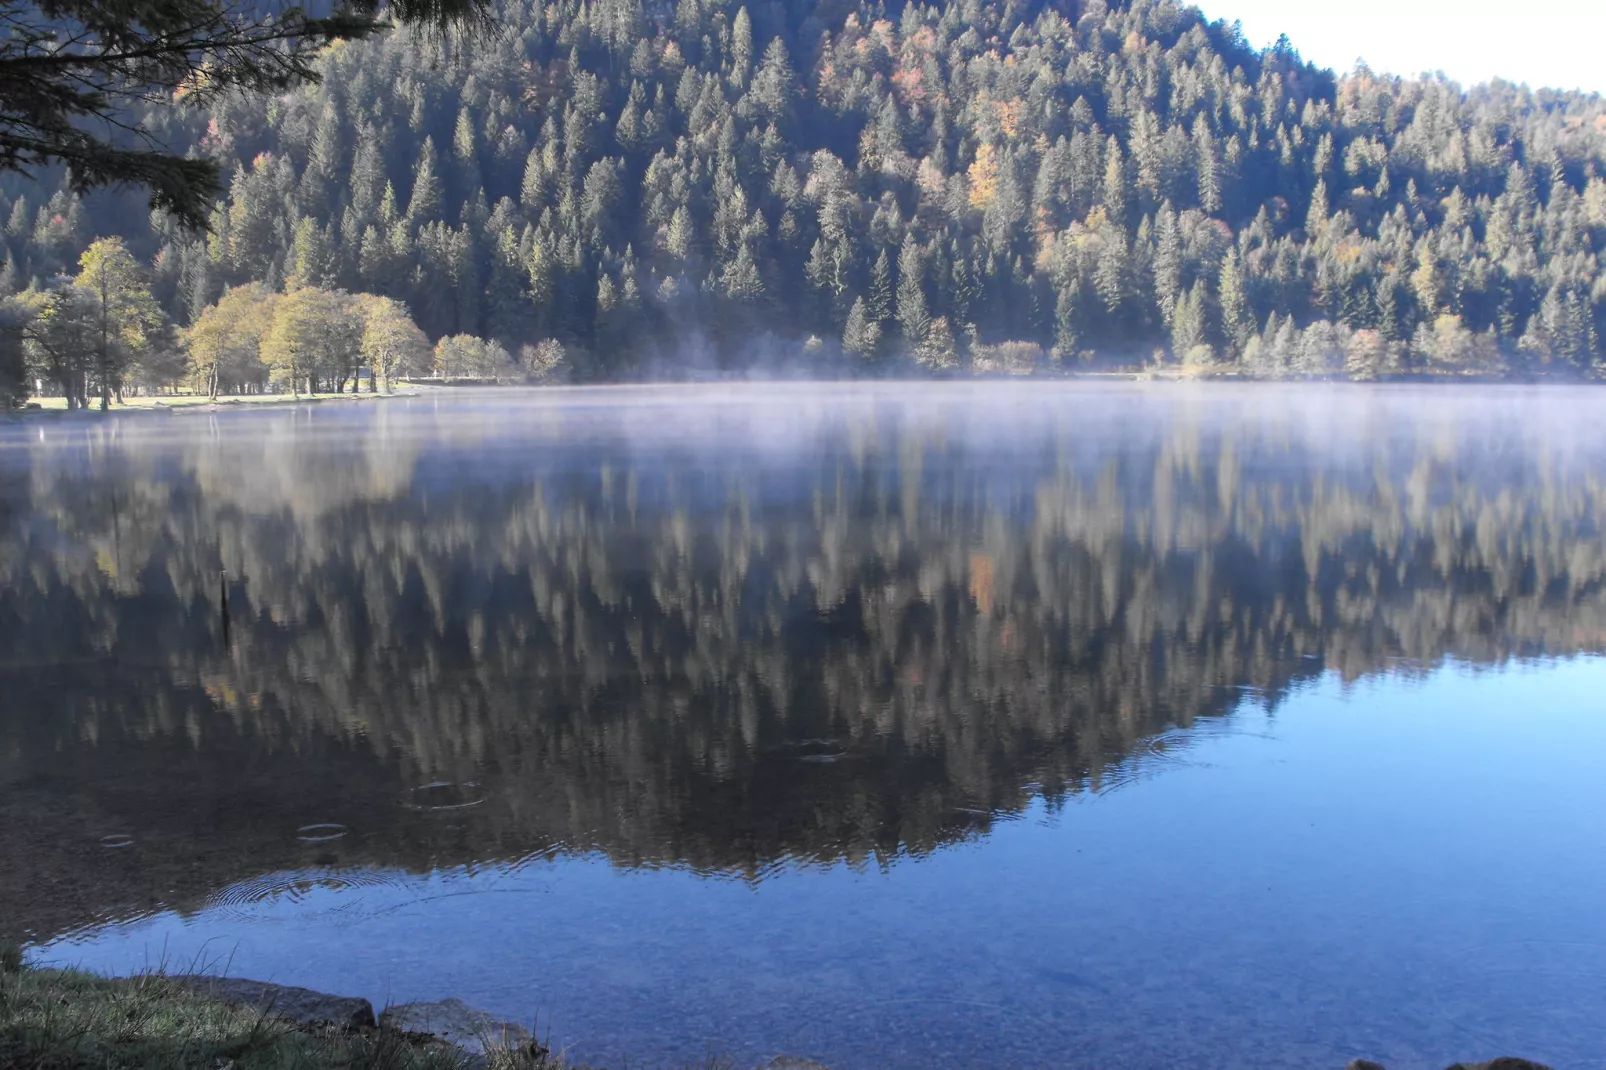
x,y
1039,725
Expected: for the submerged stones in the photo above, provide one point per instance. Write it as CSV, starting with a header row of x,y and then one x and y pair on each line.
x,y
443,795
480,1035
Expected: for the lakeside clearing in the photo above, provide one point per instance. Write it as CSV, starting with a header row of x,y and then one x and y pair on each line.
x,y
189,401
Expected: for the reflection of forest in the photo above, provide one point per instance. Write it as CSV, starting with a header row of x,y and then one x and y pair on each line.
x,y
835,641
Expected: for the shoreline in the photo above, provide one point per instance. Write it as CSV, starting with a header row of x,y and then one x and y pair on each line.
x,y
182,405
175,405
62,1017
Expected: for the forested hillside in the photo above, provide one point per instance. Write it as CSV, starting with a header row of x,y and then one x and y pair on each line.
x,y
862,188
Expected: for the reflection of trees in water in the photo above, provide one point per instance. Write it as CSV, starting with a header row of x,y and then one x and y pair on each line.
x,y
733,654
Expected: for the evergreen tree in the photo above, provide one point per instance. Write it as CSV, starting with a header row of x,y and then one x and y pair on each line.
x,y
14,385
879,305
1236,325
72,67
425,201
913,317
861,335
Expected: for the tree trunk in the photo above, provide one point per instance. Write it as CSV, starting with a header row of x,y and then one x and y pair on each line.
x,y
105,348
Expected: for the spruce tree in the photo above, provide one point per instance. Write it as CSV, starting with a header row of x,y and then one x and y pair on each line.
x,y
913,317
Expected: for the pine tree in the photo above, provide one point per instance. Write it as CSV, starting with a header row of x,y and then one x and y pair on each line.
x,y
311,260
1167,262
740,279
14,383
741,54
1067,314
879,305
862,335
425,202
681,235
76,77
1115,182
1188,323
1316,218
1236,323
1207,166
912,315
937,351
773,87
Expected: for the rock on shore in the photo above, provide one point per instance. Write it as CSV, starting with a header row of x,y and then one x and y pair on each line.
x,y
1500,1062
300,1005
456,1023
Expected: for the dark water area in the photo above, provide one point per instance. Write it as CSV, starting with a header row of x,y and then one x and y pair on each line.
x,y
894,725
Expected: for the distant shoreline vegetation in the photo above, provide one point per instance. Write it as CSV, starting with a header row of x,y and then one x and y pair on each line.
x,y
614,191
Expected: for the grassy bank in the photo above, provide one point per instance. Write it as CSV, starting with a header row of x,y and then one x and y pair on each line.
x,y
186,401
70,1020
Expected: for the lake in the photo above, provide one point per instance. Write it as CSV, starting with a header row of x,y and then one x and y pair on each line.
x,y
893,725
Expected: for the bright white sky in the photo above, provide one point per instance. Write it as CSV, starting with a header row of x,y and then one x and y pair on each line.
x,y
1557,43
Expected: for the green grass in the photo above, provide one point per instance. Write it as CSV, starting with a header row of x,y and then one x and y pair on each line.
x,y
70,1020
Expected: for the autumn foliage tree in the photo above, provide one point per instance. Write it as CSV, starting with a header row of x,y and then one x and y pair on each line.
x,y
391,342
225,342
127,324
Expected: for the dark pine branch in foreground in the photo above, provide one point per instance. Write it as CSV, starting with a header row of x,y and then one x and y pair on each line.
x,y
74,73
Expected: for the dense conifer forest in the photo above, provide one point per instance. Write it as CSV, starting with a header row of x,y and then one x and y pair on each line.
x,y
601,189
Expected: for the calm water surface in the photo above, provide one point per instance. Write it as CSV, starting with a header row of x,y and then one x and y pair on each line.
x,y
895,726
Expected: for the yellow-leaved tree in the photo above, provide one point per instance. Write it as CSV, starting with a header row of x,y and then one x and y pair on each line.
x,y
225,342
391,343
125,322
315,336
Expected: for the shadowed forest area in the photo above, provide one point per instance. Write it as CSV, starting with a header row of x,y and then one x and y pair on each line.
x,y
572,629
609,190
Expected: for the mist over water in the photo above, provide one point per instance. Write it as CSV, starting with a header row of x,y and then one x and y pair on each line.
x,y
1028,724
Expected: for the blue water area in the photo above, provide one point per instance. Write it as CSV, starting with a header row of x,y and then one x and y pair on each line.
x,y
1400,868
892,725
